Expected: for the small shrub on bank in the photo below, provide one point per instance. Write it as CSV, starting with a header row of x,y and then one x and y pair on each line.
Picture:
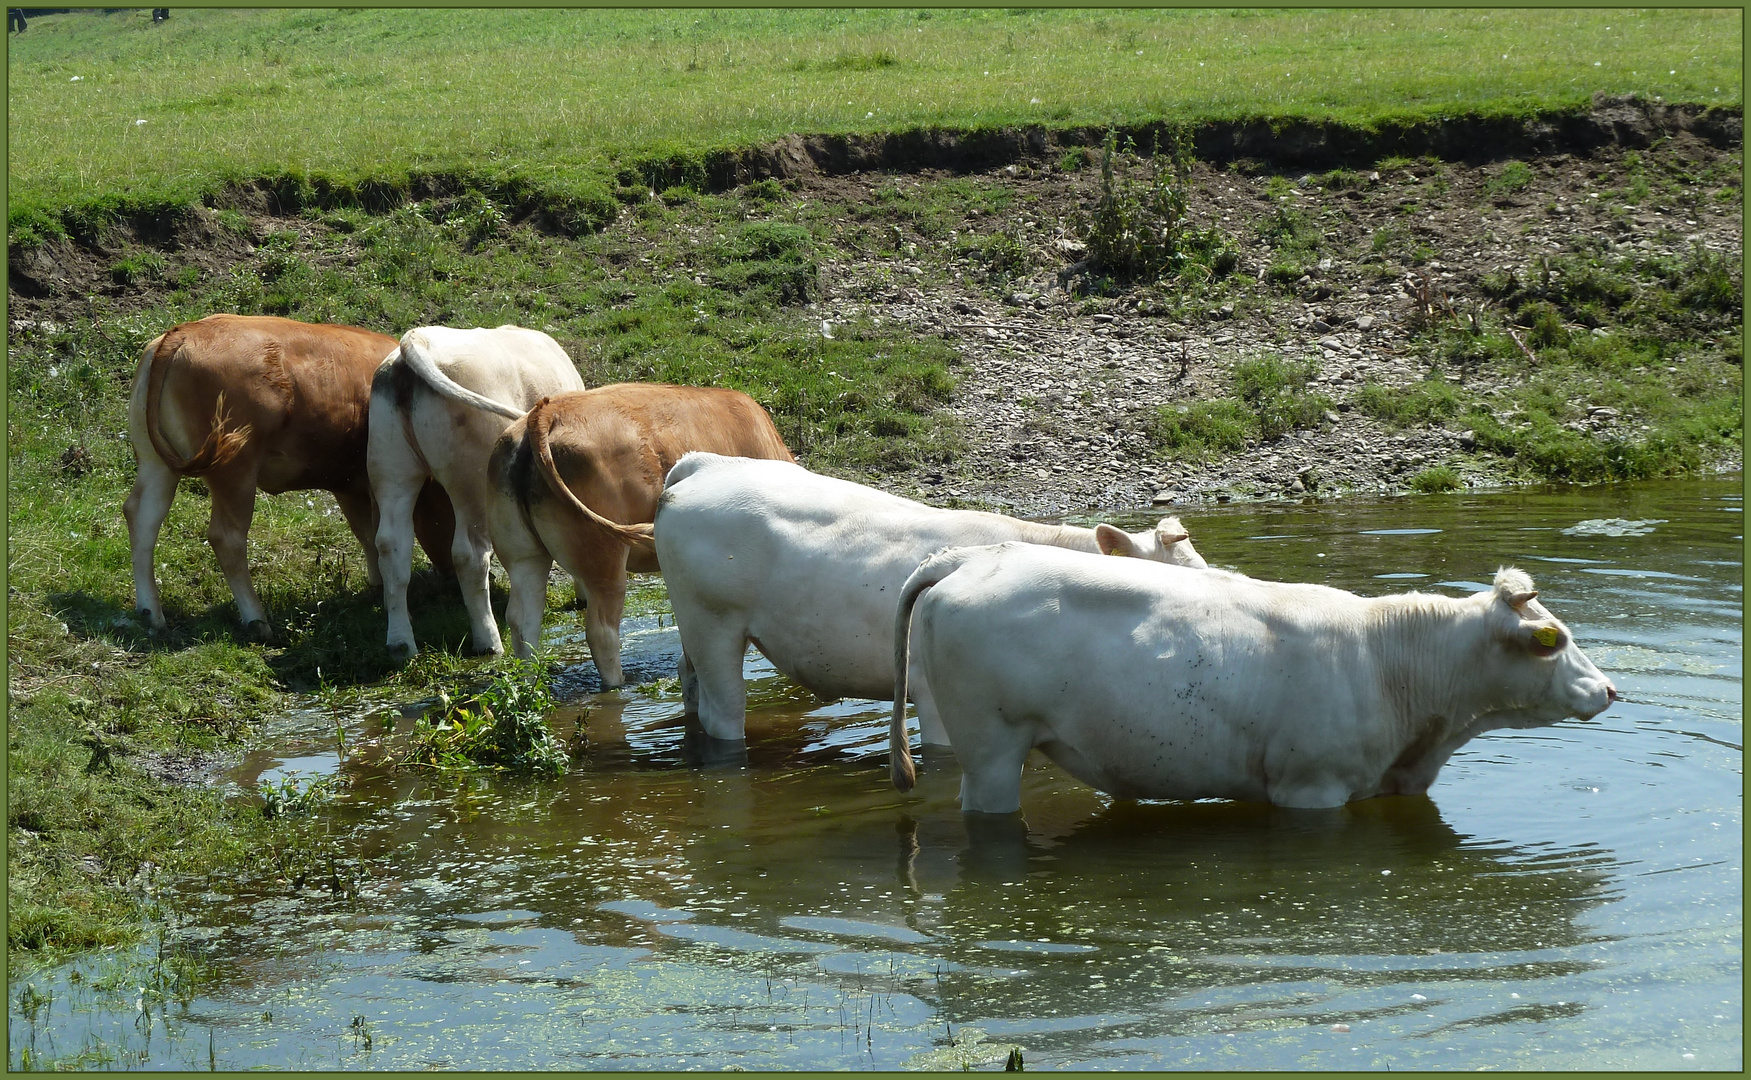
x,y
1141,231
1270,399
1515,176
1438,479
1276,392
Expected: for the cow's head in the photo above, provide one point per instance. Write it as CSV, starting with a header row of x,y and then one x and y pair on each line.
x,y
1537,673
1168,542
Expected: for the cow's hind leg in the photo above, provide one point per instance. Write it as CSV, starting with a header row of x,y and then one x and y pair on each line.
x,y
991,770
528,573
605,594
434,526
228,532
471,549
146,508
689,680
395,556
929,720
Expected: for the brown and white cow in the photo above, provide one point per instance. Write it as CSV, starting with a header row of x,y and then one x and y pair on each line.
x,y
248,402
437,405
568,478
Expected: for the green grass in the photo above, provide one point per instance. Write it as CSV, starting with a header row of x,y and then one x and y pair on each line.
x,y
1270,398
1656,340
563,101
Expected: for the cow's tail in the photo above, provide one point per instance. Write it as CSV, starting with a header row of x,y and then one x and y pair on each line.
x,y
540,424
929,572
414,355
222,443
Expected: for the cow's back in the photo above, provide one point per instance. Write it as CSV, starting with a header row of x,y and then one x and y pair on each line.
x,y
811,566
303,390
613,445
1140,677
509,364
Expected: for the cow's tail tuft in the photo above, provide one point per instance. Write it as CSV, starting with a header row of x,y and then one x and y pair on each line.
x,y
540,424
222,444
414,355
931,571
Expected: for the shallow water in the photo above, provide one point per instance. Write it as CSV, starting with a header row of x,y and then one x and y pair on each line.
x,y
1566,898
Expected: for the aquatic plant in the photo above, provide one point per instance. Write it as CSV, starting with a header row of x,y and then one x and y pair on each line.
x,y
290,798
503,727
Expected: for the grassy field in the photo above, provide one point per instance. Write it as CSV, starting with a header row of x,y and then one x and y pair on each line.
x,y
689,286
106,106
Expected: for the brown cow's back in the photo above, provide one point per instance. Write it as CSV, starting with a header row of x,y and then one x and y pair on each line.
x,y
613,445
301,390
591,507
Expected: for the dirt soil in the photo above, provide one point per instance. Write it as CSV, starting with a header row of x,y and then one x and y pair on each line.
x,y
1056,388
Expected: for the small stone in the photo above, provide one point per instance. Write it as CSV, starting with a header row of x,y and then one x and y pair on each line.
x,y
1364,322
1163,497
1319,326
1331,343
1331,417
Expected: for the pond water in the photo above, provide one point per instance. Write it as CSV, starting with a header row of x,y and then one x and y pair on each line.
x,y
1564,898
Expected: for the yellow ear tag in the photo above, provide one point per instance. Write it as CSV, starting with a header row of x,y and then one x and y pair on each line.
x,y
1546,636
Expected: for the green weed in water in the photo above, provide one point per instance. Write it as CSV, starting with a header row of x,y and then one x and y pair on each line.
x,y
503,727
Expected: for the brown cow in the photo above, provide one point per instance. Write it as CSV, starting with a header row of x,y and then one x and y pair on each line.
x,y
253,401
576,475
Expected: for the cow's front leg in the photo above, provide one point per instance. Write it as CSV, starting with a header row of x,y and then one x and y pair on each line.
x,y
689,680
228,532
145,510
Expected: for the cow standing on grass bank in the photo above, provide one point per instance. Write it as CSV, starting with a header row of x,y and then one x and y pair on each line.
x,y
1149,682
439,401
809,569
247,402
578,478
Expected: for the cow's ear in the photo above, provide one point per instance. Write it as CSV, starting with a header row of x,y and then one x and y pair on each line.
x,y
1168,531
1113,541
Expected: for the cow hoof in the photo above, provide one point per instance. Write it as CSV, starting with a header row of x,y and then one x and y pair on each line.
x,y
489,650
259,630
153,621
402,651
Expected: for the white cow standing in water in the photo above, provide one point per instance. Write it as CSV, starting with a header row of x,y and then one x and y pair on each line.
x,y
1154,682
808,568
